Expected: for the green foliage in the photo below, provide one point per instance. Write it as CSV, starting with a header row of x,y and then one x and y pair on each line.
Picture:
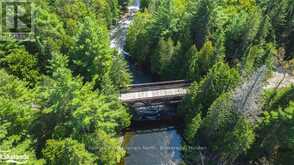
x,y
67,151
203,123
201,61
277,140
119,72
163,62
107,148
219,120
91,55
259,55
13,89
193,68
138,37
21,64
156,30
221,78
219,29
199,17
73,13
241,33
16,116
50,35
18,62
68,109
79,31
228,127
81,114
145,4
275,134
105,9
238,141
281,16
192,128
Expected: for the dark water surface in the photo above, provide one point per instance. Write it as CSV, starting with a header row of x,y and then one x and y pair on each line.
x,y
153,143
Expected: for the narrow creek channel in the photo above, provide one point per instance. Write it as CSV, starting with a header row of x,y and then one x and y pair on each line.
x,y
150,140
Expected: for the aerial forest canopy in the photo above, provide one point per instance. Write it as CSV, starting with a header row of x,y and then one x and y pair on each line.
x,y
228,49
184,38
59,92
58,97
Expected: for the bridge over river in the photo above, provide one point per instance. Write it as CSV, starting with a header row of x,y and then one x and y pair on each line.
x,y
155,92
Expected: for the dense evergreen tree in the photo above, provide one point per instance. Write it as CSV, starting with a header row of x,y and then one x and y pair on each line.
x,y
91,54
67,151
280,14
18,62
81,115
50,35
119,72
220,79
16,116
166,56
138,36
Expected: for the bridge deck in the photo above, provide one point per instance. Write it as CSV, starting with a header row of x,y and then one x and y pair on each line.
x,y
154,91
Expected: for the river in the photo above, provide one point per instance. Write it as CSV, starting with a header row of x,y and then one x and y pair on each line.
x,y
150,140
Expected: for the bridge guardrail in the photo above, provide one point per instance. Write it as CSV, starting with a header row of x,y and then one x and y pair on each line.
x,y
156,86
